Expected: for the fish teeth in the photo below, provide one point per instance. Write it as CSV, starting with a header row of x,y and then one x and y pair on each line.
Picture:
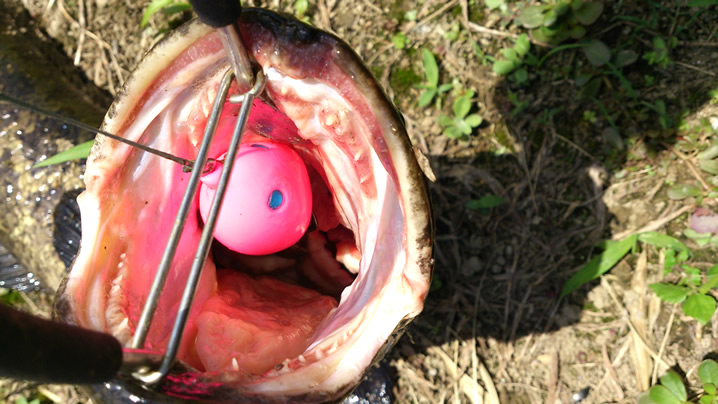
x,y
333,348
235,364
331,120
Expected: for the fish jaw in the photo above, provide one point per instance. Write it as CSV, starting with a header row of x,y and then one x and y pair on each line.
x,y
352,135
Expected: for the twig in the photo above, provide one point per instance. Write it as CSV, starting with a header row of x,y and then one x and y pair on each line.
x,y
493,32
50,395
654,377
655,224
575,146
696,68
611,371
692,168
435,14
552,395
633,328
373,6
83,29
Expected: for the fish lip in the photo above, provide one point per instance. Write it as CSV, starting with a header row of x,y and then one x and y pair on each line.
x,y
396,148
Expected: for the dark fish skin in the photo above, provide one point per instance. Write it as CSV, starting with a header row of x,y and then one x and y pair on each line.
x,y
35,69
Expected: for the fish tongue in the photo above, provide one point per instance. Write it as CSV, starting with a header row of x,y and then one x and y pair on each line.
x,y
253,324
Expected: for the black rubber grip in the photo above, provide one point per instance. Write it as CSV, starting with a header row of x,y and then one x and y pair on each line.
x,y
50,352
217,13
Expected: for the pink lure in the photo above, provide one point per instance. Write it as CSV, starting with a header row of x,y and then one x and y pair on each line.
x,y
268,203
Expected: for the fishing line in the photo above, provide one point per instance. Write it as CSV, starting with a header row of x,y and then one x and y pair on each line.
x,y
185,163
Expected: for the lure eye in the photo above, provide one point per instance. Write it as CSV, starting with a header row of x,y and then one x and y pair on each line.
x,y
268,203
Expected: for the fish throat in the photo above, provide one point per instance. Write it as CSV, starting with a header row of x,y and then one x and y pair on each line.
x,y
306,321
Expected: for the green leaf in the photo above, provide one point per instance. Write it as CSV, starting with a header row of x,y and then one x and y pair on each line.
x,y
462,106
561,8
445,120
511,54
549,18
706,399
152,9
708,372
700,307
300,7
709,166
672,381
644,398
683,256
494,4
463,126
532,16
411,15
577,32
599,264
662,241
709,153
81,151
504,67
474,120
661,395
520,75
430,68
485,202
712,270
670,293
683,191
453,132
591,89
596,51
523,45
670,261
426,97
582,79
700,238
711,282
399,40
176,8
625,57
589,12
445,87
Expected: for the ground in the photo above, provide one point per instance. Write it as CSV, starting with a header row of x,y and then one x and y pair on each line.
x,y
572,149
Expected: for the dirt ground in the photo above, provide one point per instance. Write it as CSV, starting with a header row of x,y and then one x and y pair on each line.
x,y
494,328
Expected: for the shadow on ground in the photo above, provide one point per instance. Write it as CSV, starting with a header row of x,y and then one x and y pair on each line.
x,y
500,271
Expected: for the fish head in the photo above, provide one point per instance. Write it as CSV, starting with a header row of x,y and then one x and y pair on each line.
x,y
301,325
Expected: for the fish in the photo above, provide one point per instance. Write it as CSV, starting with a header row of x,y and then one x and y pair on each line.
x,y
28,58
271,328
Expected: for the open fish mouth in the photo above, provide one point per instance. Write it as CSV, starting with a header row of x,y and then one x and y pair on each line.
x,y
300,325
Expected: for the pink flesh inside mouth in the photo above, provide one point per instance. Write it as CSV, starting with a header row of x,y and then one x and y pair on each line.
x,y
311,317
265,309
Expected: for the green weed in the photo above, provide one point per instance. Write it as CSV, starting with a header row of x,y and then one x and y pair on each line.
x,y
431,87
514,59
672,390
462,124
167,7
660,55
556,22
